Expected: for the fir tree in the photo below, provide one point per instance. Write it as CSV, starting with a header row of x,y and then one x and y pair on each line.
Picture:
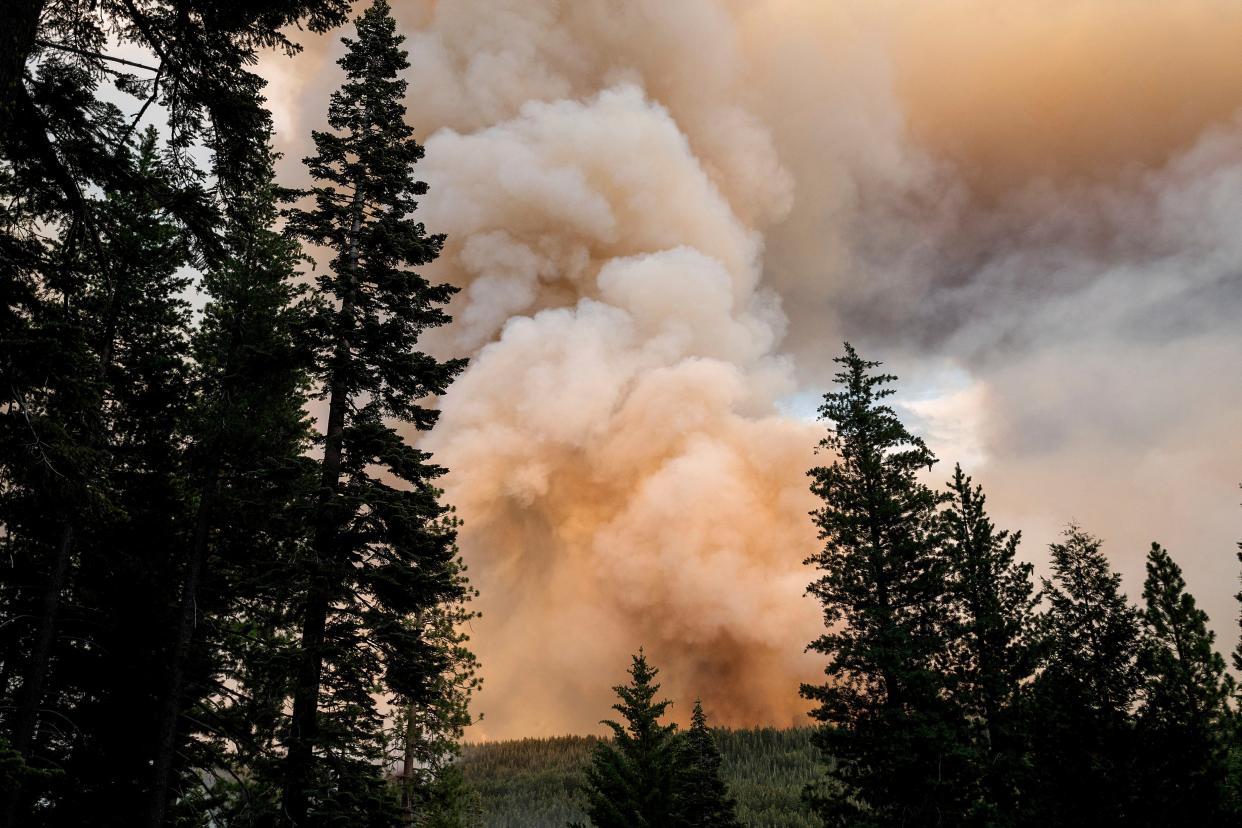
x,y
1087,689
380,554
700,795
430,733
1237,650
127,558
246,472
90,663
883,589
630,783
1233,760
53,456
994,599
450,802
1184,715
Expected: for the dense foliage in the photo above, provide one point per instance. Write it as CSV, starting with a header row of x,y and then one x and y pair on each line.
x,y
381,557
701,797
173,524
632,778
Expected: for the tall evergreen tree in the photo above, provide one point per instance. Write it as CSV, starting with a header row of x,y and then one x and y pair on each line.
x,y
701,798
994,602
246,474
1237,650
94,616
1184,715
51,477
630,783
55,51
53,454
380,553
1087,690
895,749
429,734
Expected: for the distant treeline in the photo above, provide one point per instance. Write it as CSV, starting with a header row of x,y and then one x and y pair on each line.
x,y
533,783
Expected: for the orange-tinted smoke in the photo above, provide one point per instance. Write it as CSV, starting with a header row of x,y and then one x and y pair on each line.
x,y
652,207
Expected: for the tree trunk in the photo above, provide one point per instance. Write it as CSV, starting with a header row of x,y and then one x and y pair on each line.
x,y
170,703
407,764
25,721
304,726
17,41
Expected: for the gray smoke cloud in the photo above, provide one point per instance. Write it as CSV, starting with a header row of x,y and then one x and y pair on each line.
x,y
665,217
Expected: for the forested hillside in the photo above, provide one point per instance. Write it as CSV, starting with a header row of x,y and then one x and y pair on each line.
x,y
535,782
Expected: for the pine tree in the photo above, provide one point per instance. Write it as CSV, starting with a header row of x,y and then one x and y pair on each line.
x,y
1233,758
430,733
1184,714
701,798
90,663
51,468
630,783
994,599
894,746
127,557
1085,695
246,472
53,455
379,554
450,802
1237,650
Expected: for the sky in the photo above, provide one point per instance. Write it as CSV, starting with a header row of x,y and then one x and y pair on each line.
x,y
665,218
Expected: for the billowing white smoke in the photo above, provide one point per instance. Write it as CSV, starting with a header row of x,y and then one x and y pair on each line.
x,y
616,450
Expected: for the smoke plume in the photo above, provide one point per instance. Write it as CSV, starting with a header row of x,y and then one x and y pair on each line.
x,y
665,217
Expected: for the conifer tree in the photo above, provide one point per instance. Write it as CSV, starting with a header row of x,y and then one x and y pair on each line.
x,y
53,457
89,661
1087,689
895,749
994,600
246,474
429,734
379,553
1233,784
630,783
450,802
55,51
701,798
1184,715
1237,650
127,557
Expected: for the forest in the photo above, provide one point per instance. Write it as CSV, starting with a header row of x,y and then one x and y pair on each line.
x,y
535,782
232,593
